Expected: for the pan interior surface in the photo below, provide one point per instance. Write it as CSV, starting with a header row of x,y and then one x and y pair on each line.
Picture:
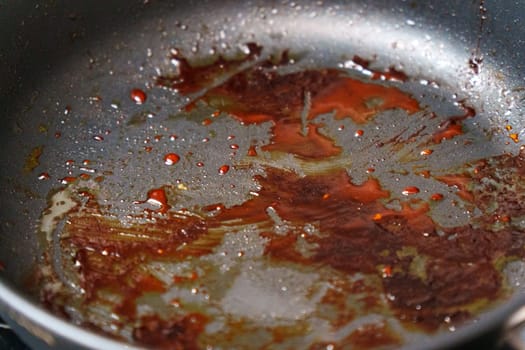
x,y
302,175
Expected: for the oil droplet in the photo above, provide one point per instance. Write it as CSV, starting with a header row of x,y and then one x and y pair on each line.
x,y
387,271
508,127
98,138
148,148
359,133
426,152
206,122
224,169
173,137
200,164
234,146
252,152
436,197
70,162
58,134
67,180
424,173
86,162
370,170
514,137
138,96
171,158
43,176
410,190
504,218
176,303
230,137
157,197
326,196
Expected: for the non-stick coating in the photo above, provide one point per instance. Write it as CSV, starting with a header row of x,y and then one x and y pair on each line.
x,y
58,58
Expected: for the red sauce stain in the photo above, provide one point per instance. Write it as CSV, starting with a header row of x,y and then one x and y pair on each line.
x,y
359,133
193,276
450,130
206,122
360,100
260,94
200,164
148,149
426,152
234,146
224,169
171,159
138,96
58,135
148,283
314,145
453,126
461,182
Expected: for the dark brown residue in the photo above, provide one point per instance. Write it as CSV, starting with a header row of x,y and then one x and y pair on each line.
x,y
372,336
174,334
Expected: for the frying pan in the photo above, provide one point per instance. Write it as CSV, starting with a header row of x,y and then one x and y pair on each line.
x,y
150,199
